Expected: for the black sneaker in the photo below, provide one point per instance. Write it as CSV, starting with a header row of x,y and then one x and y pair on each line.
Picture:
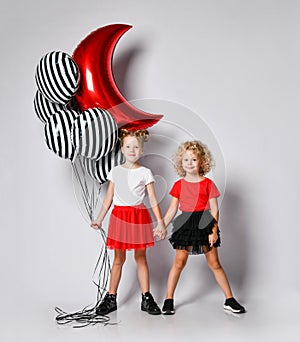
x,y
232,305
168,307
107,305
149,305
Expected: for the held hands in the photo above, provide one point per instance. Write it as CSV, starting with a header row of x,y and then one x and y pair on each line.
x,y
160,231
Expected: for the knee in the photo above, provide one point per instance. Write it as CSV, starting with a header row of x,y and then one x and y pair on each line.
x,y
215,265
179,264
119,261
140,259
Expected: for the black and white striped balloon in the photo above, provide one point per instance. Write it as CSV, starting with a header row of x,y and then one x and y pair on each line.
x,y
57,77
94,133
58,133
45,108
99,169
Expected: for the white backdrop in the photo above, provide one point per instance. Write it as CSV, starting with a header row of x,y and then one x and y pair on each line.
x,y
226,72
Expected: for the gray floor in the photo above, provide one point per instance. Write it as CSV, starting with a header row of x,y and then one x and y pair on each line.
x,y
198,319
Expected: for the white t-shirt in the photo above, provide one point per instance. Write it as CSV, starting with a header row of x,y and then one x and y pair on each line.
x,y
129,184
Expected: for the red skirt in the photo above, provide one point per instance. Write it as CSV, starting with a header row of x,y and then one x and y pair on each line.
x,y
130,228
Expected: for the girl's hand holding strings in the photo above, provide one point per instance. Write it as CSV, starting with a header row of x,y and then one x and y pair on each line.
x,y
96,224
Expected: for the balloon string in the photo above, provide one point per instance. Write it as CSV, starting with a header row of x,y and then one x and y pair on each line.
x,y
95,199
90,200
82,187
83,318
85,189
104,269
86,317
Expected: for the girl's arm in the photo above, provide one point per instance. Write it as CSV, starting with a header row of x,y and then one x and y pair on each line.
x,y
171,212
105,206
160,230
214,210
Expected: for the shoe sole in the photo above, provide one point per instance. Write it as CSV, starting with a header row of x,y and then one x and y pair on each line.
x,y
151,313
106,312
229,308
168,312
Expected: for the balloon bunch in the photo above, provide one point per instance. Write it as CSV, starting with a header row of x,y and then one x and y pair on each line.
x,y
79,104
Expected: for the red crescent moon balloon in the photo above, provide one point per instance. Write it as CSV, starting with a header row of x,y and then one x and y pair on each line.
x,y
97,87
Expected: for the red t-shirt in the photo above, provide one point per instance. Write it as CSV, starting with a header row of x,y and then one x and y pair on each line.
x,y
194,196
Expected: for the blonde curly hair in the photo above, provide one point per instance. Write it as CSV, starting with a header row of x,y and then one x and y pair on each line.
x,y
201,151
142,135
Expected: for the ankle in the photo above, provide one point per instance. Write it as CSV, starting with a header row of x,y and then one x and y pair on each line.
x,y
112,295
147,296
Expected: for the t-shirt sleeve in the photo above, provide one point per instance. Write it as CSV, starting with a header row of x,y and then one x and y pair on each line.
x,y
149,177
175,191
212,190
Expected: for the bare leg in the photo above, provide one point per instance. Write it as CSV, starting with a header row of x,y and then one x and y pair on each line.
x,y
175,271
116,270
142,269
215,266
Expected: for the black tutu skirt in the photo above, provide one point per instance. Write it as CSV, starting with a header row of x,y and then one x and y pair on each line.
x,y
191,231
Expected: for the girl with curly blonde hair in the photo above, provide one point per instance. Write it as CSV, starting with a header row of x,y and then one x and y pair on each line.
x,y
195,230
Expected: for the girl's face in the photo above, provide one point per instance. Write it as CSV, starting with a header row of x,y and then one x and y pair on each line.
x,y
132,149
190,163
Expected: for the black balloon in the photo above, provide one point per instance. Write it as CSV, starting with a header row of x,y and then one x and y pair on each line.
x,y
99,169
58,133
45,108
94,133
57,77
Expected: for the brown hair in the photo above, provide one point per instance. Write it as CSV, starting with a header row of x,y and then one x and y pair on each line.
x,y
142,135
